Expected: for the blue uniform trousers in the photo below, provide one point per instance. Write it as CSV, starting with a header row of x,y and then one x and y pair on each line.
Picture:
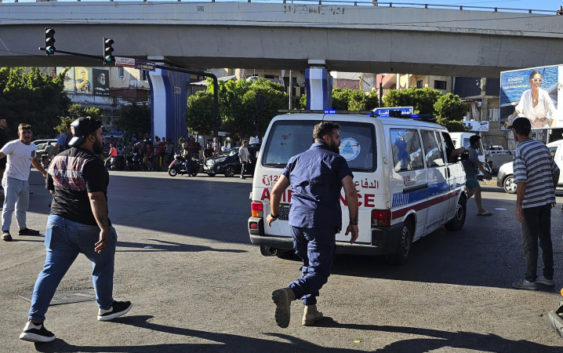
x,y
315,246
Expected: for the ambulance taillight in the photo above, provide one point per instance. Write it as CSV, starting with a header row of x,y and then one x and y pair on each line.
x,y
256,209
380,218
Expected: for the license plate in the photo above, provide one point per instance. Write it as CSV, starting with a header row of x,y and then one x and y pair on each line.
x,y
284,211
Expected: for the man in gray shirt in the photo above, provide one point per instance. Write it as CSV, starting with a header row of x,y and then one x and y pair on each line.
x,y
472,165
536,175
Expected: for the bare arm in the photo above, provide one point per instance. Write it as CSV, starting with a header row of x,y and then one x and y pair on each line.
x,y
99,206
54,151
520,190
38,166
352,200
275,197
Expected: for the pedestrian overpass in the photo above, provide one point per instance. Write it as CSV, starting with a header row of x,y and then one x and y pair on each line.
x,y
353,36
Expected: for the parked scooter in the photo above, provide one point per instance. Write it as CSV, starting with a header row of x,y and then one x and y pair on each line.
x,y
178,166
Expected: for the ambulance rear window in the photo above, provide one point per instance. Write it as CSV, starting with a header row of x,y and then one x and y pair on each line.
x,y
288,138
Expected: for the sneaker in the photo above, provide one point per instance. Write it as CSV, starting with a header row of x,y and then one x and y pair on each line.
x,y
6,236
524,284
36,333
116,310
282,298
27,231
545,281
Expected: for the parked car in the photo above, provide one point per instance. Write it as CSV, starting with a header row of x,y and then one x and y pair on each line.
x,y
227,163
505,176
43,148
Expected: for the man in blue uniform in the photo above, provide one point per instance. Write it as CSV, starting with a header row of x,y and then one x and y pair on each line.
x,y
316,177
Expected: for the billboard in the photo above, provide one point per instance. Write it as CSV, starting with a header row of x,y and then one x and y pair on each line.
x,y
535,93
83,80
101,82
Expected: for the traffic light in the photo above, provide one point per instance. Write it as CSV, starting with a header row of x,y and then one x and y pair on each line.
x,y
49,41
108,56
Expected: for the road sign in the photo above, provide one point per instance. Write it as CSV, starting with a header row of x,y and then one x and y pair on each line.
x,y
144,65
385,112
123,61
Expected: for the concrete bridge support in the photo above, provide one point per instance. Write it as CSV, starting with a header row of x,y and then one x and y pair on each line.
x,y
168,103
318,83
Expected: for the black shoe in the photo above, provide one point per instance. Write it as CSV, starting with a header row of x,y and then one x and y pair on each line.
x,y
27,231
117,309
36,333
6,236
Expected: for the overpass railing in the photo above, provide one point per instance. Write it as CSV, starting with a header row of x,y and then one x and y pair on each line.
x,y
336,3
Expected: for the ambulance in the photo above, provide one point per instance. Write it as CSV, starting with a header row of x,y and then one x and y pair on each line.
x,y
407,186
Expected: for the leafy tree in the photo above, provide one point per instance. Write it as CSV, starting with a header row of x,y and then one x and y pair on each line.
x,y
135,119
450,107
199,115
32,97
245,107
76,111
452,125
421,99
372,100
357,100
340,98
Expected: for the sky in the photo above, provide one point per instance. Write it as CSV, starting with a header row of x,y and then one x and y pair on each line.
x,y
515,4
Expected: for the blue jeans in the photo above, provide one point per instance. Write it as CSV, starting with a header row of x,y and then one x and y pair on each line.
x,y
315,246
16,196
64,240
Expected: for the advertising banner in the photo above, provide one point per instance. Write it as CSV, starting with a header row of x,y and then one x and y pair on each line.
x,y
101,82
534,93
83,79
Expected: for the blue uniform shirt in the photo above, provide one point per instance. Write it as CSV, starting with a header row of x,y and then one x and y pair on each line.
x,y
316,179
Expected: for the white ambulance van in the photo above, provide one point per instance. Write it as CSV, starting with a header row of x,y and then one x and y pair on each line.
x,y
407,187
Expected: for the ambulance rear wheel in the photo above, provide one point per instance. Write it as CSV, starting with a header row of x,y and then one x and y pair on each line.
x,y
401,256
266,250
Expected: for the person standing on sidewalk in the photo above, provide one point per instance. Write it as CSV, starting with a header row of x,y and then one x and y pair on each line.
x,y
3,141
316,177
244,157
472,165
78,223
20,155
536,175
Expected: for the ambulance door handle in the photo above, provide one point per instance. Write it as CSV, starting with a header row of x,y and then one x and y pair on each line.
x,y
447,173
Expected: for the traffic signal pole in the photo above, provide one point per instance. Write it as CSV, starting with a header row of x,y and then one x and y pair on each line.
x,y
216,117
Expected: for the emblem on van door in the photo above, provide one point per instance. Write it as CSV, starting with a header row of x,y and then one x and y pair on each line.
x,y
349,148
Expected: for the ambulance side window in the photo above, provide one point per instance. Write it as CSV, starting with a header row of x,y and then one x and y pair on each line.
x,y
407,150
433,154
449,147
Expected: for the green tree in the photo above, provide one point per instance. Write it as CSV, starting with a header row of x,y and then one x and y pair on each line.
x,y
32,97
74,112
135,119
199,115
421,99
372,100
450,107
340,99
245,107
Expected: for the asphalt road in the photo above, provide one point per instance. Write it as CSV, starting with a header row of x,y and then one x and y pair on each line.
x,y
197,285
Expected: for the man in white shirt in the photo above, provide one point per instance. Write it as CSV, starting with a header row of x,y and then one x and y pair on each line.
x,y
20,154
244,157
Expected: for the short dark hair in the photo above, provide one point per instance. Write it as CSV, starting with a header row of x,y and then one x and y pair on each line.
x,y
474,139
24,126
324,128
522,126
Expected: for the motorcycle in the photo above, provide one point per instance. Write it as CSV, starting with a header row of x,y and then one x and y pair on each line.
x,y
135,162
178,166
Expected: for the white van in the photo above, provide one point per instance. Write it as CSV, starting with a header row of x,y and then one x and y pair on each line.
x,y
406,186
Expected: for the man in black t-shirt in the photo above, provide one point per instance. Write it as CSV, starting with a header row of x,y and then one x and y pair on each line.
x,y
78,223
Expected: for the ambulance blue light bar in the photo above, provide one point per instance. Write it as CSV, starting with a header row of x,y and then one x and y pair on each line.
x,y
330,111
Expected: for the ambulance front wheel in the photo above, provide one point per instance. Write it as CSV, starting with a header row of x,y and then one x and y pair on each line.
x,y
458,221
